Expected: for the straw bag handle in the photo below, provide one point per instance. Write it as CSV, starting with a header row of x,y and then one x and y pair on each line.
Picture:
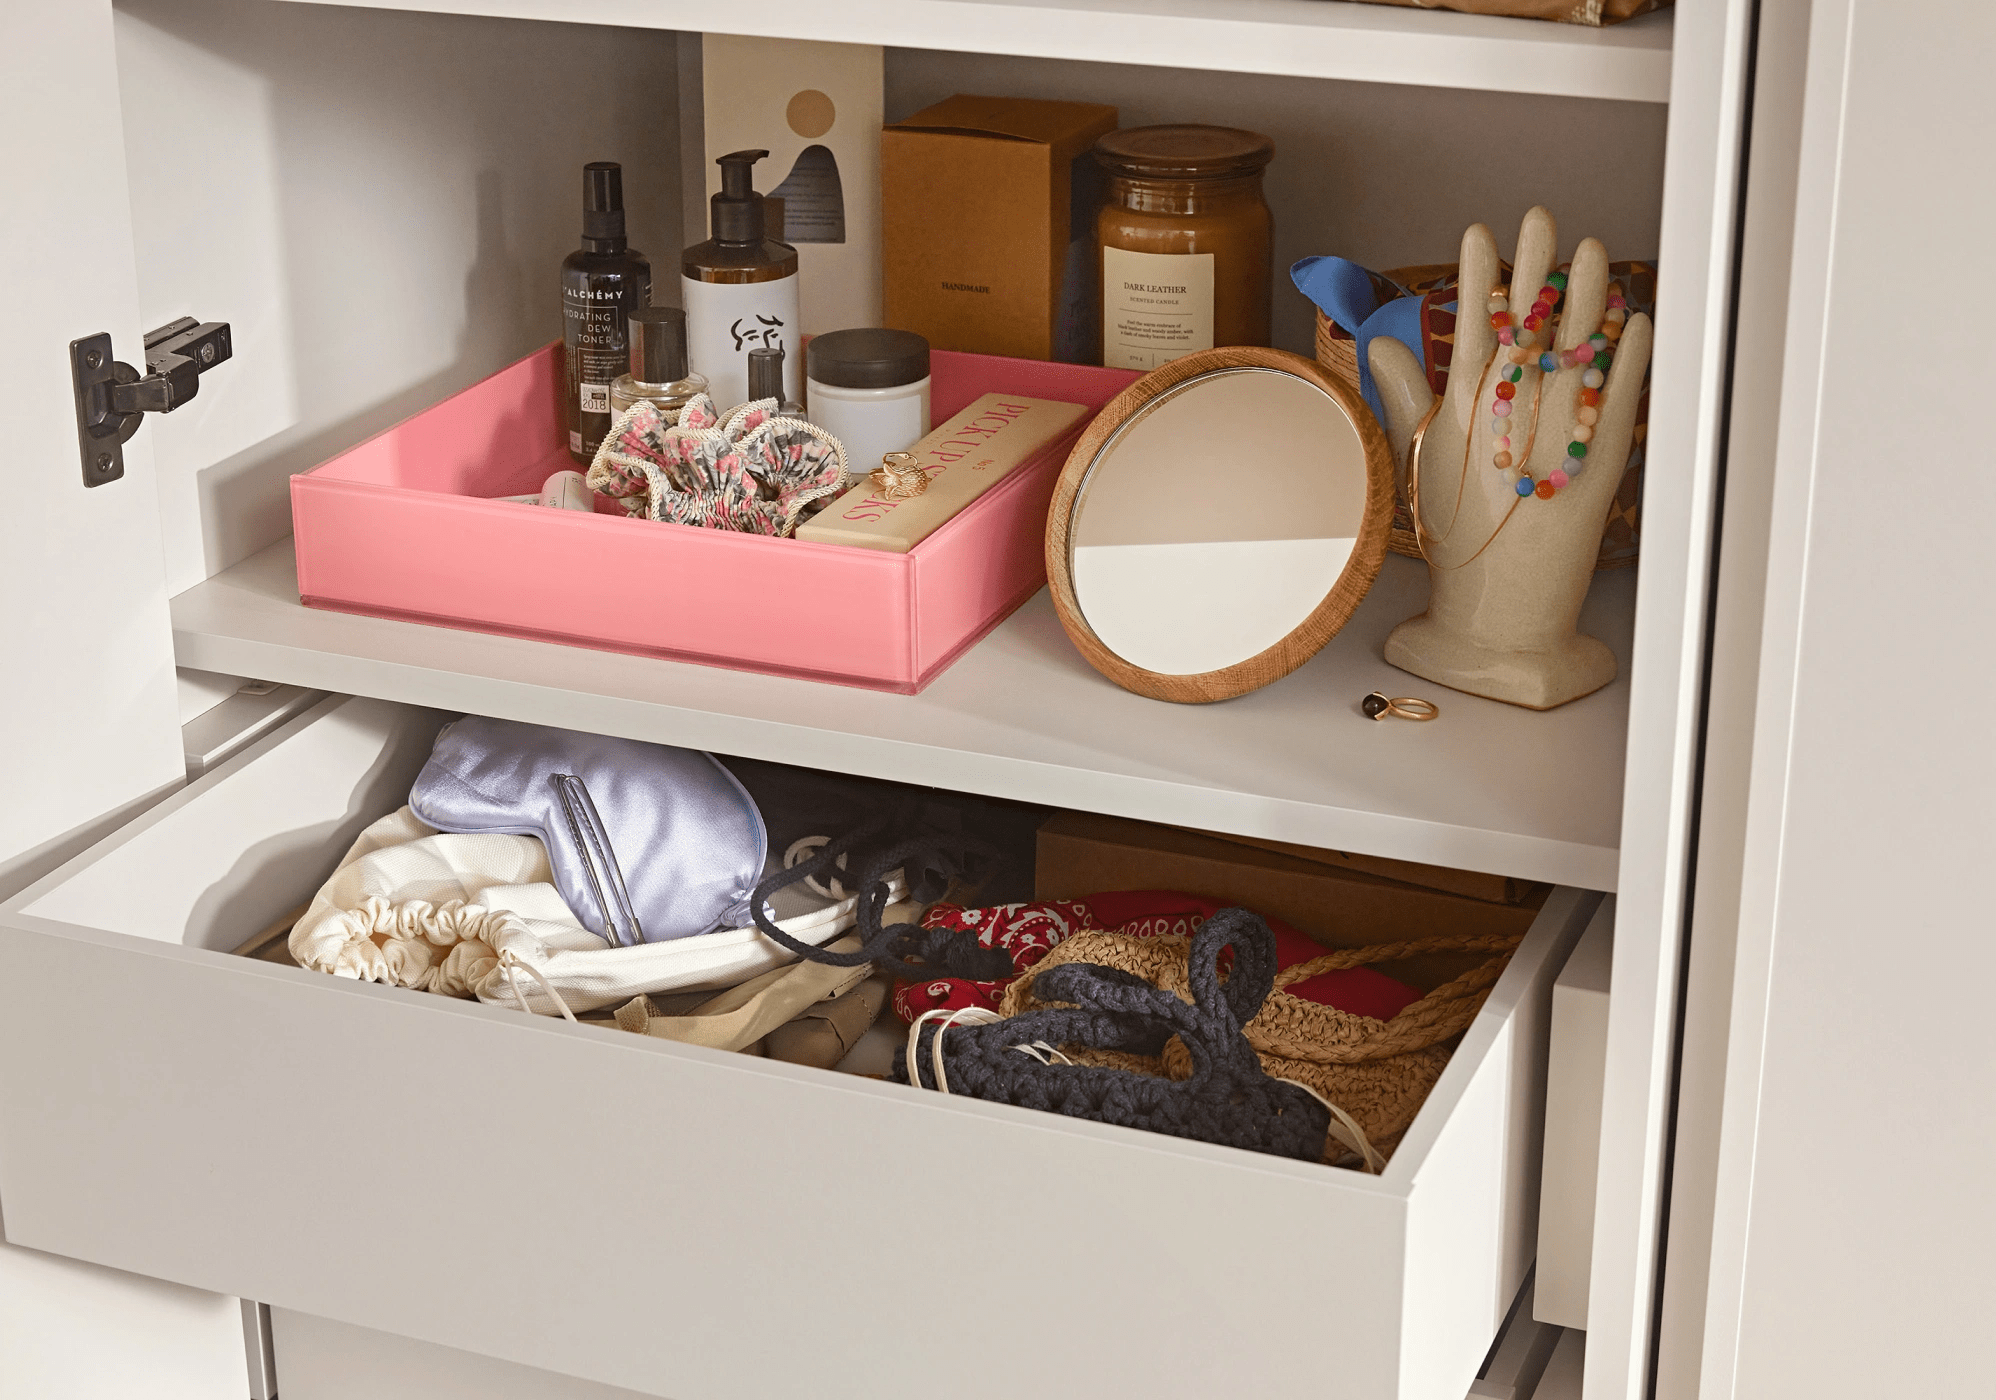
x,y
1446,1010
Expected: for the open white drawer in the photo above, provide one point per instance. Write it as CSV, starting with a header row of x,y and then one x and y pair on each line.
x,y
682,1222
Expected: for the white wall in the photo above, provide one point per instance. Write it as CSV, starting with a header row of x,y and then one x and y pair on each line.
x,y
1341,180
378,202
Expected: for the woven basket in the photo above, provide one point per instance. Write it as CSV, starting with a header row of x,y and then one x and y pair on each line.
x,y
1379,1072
1337,352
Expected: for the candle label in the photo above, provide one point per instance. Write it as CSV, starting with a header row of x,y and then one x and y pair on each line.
x,y
1155,307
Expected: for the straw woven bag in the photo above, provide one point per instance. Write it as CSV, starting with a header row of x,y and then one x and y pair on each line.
x,y
1377,1071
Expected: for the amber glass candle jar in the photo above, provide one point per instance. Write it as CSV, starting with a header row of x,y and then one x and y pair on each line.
x,y
1185,242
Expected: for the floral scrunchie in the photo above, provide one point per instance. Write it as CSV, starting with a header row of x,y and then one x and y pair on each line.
x,y
754,471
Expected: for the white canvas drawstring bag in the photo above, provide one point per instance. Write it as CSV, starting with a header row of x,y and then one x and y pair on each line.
x,y
478,915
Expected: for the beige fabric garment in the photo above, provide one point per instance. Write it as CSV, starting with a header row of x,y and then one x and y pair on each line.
x,y
823,1035
743,1015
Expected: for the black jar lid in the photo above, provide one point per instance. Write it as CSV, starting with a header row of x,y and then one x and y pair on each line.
x,y
658,344
1184,151
867,358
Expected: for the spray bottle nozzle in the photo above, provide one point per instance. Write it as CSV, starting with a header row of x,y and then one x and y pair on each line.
x,y
738,208
603,205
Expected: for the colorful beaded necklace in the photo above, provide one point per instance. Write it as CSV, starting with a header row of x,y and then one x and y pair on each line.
x,y
1515,350
1516,343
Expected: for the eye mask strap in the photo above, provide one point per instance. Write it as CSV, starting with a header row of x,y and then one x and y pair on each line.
x,y
585,828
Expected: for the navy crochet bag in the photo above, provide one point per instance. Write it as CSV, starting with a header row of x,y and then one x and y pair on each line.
x,y
1229,1099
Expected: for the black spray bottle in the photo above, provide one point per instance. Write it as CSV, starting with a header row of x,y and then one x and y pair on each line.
x,y
602,283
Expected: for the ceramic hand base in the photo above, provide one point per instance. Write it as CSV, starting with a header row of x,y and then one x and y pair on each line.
x,y
1508,574
1451,652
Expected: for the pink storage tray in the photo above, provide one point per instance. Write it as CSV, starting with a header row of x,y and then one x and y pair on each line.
x,y
402,526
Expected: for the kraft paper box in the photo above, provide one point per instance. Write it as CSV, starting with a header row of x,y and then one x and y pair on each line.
x,y
1501,889
988,225
1080,854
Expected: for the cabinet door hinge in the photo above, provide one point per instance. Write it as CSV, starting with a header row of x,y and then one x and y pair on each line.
x,y
112,398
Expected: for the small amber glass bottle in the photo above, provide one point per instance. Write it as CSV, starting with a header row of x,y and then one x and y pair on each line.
x,y
1186,242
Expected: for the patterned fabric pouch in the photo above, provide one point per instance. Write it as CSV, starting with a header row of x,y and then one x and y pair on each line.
x,y
754,471
1029,932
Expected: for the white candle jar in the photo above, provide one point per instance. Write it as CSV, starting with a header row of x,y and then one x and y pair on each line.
x,y
870,389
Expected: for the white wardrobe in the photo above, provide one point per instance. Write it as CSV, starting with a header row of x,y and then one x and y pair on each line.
x,y
1785,791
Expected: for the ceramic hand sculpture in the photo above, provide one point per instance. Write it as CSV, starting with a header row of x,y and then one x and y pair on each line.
x,y
1526,406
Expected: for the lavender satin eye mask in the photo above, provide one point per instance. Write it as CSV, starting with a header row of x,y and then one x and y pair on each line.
x,y
648,842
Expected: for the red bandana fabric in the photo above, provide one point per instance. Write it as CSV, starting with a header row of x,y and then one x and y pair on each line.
x,y
1028,931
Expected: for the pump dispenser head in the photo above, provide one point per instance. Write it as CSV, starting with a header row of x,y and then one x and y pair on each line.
x,y
738,214
603,206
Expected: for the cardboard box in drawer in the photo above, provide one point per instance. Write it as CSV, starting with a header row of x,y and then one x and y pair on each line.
x,y
406,525
1082,854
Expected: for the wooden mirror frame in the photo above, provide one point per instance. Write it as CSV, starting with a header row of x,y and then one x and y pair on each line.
x,y
1310,635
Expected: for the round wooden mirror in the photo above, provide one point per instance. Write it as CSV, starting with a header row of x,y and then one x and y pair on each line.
x,y
1218,523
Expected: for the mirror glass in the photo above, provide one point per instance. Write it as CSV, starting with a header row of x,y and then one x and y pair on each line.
x,y
1215,520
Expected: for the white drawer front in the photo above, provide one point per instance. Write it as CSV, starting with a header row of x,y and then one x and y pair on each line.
x,y
681,1222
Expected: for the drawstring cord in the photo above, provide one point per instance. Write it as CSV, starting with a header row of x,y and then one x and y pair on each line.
x,y
802,849
968,1015
927,863
1351,1137
508,961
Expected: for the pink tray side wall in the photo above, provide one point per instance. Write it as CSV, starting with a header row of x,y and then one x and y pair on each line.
x,y
503,436
396,527
975,571
594,580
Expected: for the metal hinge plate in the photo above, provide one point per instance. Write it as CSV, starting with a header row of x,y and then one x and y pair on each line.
x,y
112,398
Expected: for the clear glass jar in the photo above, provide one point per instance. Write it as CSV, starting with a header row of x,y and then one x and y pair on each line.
x,y
658,373
1185,240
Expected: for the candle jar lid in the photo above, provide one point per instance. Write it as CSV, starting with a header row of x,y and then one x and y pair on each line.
x,y
867,358
1184,151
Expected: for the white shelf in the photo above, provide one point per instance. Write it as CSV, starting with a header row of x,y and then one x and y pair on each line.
x,y
1485,787
1307,38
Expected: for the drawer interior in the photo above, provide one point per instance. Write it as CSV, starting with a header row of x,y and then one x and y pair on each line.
x,y
358,1103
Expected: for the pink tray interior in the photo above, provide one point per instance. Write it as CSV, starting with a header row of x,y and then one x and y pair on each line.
x,y
504,435
404,525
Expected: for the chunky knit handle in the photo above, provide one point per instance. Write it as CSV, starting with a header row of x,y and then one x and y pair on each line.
x,y
1253,976
1210,1026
